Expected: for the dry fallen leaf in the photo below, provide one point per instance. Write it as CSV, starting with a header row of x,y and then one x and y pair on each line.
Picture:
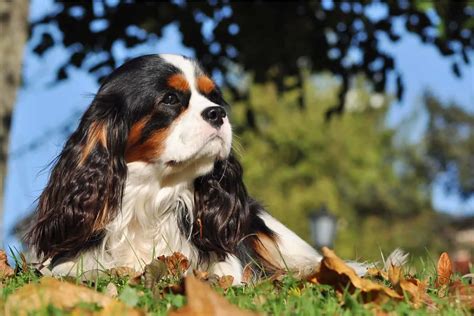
x,y
176,264
444,270
5,270
462,293
202,300
201,275
63,295
335,272
134,277
414,288
417,293
226,281
394,274
377,273
123,272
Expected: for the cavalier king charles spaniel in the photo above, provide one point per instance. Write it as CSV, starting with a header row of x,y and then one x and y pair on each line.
x,y
150,171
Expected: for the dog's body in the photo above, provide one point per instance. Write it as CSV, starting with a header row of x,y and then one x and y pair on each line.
x,y
149,172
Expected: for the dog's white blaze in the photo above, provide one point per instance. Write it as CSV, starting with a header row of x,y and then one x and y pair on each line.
x,y
187,66
189,138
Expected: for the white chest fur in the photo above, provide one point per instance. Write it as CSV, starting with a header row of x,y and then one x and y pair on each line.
x,y
144,228
147,225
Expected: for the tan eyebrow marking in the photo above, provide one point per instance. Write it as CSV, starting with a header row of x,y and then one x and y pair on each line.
x,y
178,82
97,134
205,84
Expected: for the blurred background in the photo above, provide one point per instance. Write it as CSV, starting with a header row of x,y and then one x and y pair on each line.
x,y
353,116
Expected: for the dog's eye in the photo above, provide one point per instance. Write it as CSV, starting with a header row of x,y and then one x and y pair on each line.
x,y
170,99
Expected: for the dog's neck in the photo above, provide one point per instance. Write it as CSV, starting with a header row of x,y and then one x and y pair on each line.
x,y
147,224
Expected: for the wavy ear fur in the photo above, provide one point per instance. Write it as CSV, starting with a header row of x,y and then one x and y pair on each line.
x,y
225,216
85,188
221,209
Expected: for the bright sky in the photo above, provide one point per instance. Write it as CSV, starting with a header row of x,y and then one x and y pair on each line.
x,y
43,106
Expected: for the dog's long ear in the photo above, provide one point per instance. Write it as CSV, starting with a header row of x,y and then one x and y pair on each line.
x,y
221,209
85,188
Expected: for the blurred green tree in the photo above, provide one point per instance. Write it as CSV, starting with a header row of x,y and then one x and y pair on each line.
x,y
450,146
296,161
272,41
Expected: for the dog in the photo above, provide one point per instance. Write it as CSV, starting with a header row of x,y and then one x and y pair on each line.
x,y
150,171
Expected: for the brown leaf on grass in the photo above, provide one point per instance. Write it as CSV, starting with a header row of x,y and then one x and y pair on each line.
x,y
202,300
62,295
210,278
335,272
444,270
176,264
462,293
5,269
391,268
414,288
377,273
201,275
225,281
416,291
394,274
123,272
134,277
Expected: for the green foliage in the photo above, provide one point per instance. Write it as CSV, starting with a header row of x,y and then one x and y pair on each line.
x,y
270,40
129,296
295,161
449,144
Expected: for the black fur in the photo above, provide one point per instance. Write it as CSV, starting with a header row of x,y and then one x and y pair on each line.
x,y
77,193
226,217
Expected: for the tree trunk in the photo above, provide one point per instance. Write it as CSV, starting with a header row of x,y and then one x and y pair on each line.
x,y
13,35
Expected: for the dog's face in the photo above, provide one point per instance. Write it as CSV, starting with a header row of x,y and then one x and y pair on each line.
x,y
177,116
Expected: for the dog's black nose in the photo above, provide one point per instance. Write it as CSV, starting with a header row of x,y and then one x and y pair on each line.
x,y
214,115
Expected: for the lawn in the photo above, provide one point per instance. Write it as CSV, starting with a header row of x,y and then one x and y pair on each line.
x,y
161,289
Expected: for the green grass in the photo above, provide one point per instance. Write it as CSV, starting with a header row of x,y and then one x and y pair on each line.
x,y
286,297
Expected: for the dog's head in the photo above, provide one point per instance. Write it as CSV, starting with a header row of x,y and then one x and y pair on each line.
x,y
160,110
175,114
